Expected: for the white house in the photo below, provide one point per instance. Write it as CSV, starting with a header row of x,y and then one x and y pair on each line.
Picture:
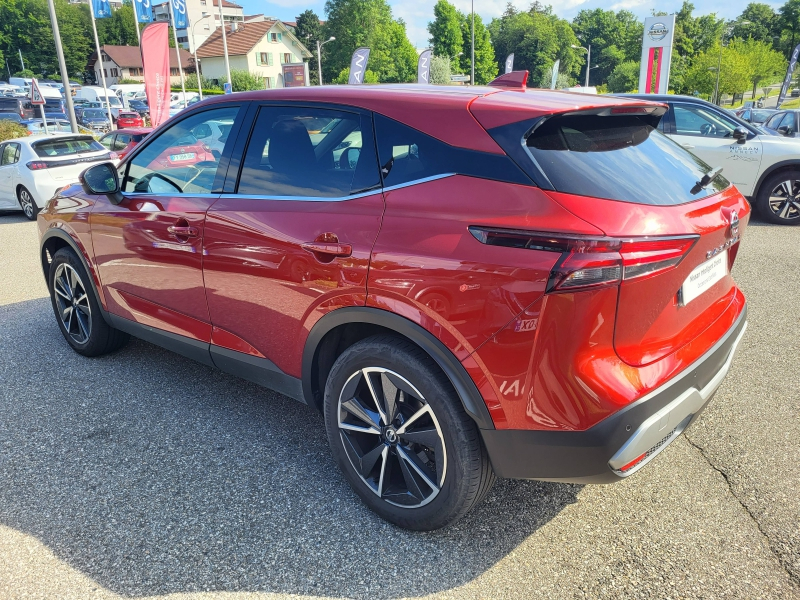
x,y
203,16
265,47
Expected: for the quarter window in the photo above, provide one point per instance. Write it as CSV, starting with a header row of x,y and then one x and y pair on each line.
x,y
308,153
10,154
176,162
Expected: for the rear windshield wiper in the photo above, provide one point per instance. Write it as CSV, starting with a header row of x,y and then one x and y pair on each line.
x,y
707,178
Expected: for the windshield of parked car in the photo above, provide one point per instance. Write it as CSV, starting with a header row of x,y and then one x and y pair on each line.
x,y
618,157
94,114
65,146
759,116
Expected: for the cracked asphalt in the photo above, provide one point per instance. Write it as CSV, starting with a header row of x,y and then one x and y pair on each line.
x,y
146,475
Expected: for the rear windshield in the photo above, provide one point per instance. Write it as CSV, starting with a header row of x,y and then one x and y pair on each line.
x,y
9,103
619,158
66,146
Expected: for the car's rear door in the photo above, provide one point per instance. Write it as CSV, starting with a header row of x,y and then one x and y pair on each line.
x,y
708,133
149,247
9,157
292,238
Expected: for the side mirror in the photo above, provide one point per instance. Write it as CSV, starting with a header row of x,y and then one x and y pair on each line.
x,y
102,179
783,130
740,135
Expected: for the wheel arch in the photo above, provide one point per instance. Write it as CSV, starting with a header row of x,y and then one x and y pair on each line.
x,y
342,328
778,167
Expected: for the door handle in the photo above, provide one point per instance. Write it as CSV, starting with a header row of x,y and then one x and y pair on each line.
x,y
329,249
179,231
687,146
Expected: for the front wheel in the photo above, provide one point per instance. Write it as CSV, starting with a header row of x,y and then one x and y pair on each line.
x,y
779,198
77,310
401,436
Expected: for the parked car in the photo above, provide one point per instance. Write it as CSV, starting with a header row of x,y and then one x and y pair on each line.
x,y
19,106
765,168
95,119
756,116
140,106
11,117
784,123
592,255
122,142
36,126
33,168
129,119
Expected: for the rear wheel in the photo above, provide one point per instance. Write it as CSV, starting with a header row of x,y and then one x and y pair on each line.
x,y
27,203
401,437
77,310
779,198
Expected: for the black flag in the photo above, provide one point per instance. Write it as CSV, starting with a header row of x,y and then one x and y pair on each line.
x,y
788,79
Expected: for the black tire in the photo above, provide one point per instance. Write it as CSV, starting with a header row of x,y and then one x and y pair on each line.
x,y
399,486
71,293
27,203
771,207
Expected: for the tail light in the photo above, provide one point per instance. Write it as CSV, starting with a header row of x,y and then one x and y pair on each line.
x,y
36,165
113,156
589,262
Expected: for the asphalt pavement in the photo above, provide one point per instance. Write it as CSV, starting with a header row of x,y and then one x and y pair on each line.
x,y
145,475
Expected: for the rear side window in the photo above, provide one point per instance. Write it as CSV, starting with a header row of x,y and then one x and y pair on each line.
x,y
308,153
406,155
66,146
618,158
9,103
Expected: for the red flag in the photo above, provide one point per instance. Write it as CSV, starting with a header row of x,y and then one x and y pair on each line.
x,y
155,58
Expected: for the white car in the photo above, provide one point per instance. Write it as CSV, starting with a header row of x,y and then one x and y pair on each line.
x,y
764,167
213,134
33,168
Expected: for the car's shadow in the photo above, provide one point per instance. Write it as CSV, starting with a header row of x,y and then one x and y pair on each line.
x,y
153,474
7,217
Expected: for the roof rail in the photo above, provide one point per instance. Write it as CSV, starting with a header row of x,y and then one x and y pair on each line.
x,y
516,80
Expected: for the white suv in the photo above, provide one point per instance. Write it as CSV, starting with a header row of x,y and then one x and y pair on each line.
x,y
764,167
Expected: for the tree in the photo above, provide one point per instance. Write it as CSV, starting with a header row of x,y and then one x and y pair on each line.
x,y
789,23
344,76
485,63
624,77
368,23
758,22
764,63
446,38
309,31
537,38
735,75
440,70
614,37
119,29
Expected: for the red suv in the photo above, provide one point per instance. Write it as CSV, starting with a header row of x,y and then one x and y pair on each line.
x,y
468,282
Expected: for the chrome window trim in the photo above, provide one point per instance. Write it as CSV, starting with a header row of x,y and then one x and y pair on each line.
x,y
167,195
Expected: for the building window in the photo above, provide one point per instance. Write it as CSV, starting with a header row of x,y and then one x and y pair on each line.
x,y
206,26
269,83
275,37
264,58
105,72
287,58
114,73
202,2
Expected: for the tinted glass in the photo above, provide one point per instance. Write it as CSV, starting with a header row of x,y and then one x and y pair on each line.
x,y
406,154
107,140
788,122
773,121
702,121
307,152
619,158
175,162
759,116
121,142
10,154
66,146
94,114
9,104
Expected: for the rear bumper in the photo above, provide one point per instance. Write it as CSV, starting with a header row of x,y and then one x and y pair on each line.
x,y
624,442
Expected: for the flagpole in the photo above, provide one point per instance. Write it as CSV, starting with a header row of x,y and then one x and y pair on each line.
x,y
100,59
177,50
63,67
225,45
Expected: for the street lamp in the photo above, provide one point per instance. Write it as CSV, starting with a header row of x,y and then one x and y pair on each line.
x,y
319,56
588,60
725,33
197,62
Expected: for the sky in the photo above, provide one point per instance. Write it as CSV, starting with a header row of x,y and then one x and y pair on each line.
x,y
417,13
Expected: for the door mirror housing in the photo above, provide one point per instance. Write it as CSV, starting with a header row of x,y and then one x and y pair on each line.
x,y
102,179
740,134
783,130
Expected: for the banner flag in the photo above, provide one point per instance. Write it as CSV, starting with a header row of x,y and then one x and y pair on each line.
x,y
101,8
144,11
510,63
424,67
179,14
788,79
554,79
358,65
155,58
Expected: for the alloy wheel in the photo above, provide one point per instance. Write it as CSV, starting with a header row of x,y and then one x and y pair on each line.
x,y
26,202
392,437
784,200
72,300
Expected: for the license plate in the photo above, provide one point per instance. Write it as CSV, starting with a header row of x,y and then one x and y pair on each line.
x,y
184,156
704,277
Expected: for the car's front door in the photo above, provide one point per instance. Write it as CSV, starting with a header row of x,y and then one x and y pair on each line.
x,y
708,133
149,247
9,157
293,239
